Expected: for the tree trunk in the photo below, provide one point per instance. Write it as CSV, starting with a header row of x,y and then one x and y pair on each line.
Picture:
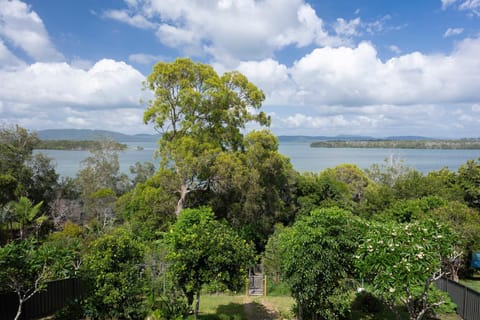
x,y
197,304
19,310
181,201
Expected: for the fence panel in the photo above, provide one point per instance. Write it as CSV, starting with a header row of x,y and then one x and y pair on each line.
x,y
466,299
44,303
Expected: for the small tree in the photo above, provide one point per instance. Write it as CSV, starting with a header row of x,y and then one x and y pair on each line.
x,y
25,268
112,268
317,258
203,250
401,261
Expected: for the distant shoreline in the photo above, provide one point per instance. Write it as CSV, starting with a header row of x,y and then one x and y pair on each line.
x,y
75,145
460,144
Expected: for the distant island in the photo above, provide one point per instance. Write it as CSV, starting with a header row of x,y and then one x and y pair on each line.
x,y
459,144
55,139
75,145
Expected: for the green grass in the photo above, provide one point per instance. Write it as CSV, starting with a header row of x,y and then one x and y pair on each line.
x,y
473,283
239,307
230,307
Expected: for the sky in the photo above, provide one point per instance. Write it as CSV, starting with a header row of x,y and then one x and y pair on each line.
x,y
327,67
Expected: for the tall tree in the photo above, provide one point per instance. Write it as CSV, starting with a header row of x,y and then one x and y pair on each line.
x,y
100,181
254,188
199,114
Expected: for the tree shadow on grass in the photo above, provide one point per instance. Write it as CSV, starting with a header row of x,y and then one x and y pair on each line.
x,y
238,311
231,311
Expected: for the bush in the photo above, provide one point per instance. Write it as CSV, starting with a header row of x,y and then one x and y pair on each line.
x,y
280,288
72,311
367,303
170,306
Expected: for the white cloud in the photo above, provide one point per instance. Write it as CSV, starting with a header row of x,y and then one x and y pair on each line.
x,y
143,58
135,20
471,6
60,95
272,77
231,30
7,59
46,87
394,49
347,28
447,3
23,28
476,107
452,32
356,76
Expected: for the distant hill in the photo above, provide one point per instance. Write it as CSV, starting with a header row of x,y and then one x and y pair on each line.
x,y
311,139
87,134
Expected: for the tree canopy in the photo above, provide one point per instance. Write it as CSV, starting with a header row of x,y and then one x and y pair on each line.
x,y
199,114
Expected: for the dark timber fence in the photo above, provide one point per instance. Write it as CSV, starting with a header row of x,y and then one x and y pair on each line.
x,y
44,303
466,299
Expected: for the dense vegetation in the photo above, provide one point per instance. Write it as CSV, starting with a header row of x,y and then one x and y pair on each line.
x,y
74,145
401,144
147,244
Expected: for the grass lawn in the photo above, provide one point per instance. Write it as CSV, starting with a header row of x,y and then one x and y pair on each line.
x,y
239,307
473,283
226,307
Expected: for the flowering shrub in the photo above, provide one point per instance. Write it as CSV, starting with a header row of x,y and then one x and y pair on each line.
x,y
401,261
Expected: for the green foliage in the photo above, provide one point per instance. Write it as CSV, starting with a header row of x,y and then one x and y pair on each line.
x,y
254,188
387,173
410,210
469,182
321,190
26,216
142,172
317,258
112,269
402,260
72,243
25,267
200,115
149,208
271,257
402,144
21,173
202,250
352,176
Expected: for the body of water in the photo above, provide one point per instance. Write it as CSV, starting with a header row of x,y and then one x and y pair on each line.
x,y
302,156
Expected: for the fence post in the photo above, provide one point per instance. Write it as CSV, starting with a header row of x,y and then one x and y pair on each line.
x,y
265,286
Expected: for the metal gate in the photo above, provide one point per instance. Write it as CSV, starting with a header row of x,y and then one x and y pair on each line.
x,y
255,281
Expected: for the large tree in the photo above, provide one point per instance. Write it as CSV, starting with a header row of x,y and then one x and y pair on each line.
x,y
199,114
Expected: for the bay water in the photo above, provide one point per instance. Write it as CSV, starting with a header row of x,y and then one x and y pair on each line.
x,y
302,156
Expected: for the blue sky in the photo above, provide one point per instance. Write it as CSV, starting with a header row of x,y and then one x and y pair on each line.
x,y
367,67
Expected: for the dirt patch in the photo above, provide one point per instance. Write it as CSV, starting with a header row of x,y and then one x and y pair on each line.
x,y
255,310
